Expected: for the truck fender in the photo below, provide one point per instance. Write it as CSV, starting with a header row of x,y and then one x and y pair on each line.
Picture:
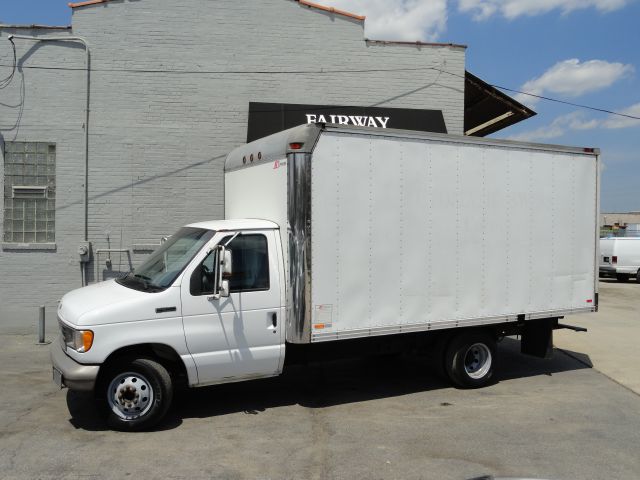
x,y
162,353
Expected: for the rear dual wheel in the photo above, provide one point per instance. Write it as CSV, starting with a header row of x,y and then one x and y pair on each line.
x,y
469,359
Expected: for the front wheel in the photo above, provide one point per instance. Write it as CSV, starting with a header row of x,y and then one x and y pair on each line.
x,y
470,359
138,394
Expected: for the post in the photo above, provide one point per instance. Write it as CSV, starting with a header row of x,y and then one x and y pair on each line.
x,y
41,326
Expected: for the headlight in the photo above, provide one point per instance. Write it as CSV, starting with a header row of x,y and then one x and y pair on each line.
x,y
78,340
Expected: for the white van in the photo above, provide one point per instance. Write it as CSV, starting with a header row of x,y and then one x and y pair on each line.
x,y
620,258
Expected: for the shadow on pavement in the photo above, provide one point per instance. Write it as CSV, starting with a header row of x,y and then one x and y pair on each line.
x,y
328,384
514,365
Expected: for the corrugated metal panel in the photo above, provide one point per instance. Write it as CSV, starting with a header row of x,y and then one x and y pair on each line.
x,y
413,231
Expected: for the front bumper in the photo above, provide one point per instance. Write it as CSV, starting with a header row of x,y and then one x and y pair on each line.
x,y
607,271
618,270
75,376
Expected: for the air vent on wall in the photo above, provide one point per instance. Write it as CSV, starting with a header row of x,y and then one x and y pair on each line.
x,y
29,192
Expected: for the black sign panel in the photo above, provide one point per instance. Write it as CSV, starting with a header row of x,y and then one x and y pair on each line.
x,y
268,118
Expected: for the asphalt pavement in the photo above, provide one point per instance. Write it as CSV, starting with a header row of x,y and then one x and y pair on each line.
x,y
613,338
374,418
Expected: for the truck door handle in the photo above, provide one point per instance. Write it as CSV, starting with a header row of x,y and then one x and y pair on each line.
x,y
274,320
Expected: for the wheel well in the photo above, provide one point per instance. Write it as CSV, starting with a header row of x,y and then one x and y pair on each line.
x,y
442,339
162,353
448,335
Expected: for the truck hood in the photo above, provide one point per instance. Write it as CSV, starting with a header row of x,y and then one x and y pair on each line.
x,y
109,302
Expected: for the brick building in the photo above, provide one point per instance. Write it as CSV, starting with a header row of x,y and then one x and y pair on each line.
x,y
170,87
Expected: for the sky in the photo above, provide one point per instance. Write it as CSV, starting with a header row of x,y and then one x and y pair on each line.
x,y
581,51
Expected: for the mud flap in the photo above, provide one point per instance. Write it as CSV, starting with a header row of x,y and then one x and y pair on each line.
x,y
537,338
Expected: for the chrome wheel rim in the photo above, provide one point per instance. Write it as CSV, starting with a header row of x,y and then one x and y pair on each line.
x,y
130,395
477,360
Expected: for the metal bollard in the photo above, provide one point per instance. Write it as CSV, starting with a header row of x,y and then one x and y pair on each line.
x,y
41,340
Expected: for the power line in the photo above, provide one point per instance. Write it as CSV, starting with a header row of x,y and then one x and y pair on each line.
x,y
6,81
231,72
313,72
567,103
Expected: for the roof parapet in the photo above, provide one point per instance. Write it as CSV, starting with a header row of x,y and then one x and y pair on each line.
x,y
337,11
84,4
306,3
36,27
416,43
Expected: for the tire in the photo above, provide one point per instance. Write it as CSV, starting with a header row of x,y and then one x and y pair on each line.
x,y
622,278
638,276
470,359
137,393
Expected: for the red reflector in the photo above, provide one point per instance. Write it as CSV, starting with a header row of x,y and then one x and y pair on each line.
x,y
296,146
589,301
614,259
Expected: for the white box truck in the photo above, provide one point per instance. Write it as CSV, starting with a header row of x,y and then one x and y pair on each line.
x,y
620,258
339,241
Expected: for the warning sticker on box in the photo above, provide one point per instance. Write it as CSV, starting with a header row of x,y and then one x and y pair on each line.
x,y
323,317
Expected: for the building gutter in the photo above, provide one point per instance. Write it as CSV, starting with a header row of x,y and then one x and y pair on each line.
x,y
87,110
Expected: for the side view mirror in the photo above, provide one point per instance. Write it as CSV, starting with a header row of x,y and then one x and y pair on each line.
x,y
224,289
227,262
224,269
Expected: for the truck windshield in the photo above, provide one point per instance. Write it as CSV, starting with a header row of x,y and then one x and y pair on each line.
x,y
165,264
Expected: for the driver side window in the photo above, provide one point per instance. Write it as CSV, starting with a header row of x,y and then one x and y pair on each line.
x,y
250,263
250,267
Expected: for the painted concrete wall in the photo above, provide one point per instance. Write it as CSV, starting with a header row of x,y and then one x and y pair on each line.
x,y
171,84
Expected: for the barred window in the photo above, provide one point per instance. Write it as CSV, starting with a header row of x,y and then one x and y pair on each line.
x,y
29,192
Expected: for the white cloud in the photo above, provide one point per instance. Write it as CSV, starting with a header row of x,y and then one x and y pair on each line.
x,y
483,9
413,20
409,20
571,78
616,121
576,121
557,128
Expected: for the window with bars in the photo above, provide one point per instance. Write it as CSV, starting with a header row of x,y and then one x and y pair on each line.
x,y
29,192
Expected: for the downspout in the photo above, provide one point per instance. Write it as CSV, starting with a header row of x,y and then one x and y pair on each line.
x,y
86,122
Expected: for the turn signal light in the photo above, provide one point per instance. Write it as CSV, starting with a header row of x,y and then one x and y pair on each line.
x,y
87,339
82,341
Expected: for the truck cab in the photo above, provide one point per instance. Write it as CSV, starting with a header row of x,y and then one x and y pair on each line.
x,y
210,302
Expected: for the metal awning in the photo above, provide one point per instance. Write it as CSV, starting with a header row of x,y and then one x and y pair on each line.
x,y
487,109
